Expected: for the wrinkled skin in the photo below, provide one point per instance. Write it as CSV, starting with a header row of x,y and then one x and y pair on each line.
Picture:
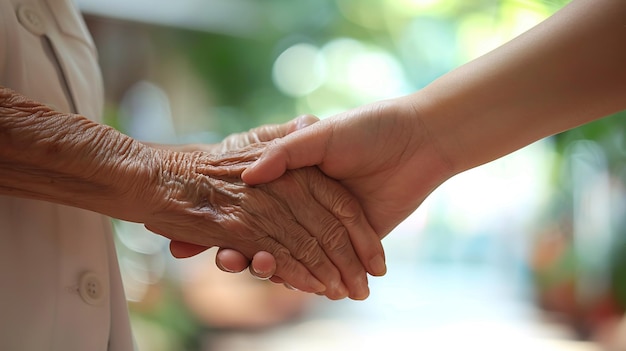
x,y
276,217
234,142
263,265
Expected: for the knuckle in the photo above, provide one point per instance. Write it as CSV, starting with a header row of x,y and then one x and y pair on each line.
x,y
307,251
281,254
347,208
333,235
341,203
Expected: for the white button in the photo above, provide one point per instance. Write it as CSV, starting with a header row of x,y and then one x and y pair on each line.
x,y
91,289
31,19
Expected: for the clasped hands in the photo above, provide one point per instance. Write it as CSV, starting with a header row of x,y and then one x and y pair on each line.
x,y
379,163
303,229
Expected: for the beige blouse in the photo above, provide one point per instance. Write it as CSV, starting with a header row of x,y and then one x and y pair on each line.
x,y
60,282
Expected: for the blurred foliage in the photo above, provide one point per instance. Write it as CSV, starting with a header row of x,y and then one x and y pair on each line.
x,y
422,35
608,132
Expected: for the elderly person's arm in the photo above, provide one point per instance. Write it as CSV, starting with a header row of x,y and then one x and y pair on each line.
x,y
194,197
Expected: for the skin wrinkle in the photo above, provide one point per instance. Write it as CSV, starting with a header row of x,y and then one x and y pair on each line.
x,y
428,138
342,206
331,231
224,199
33,175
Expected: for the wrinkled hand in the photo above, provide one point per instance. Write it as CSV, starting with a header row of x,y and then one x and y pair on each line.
x,y
235,261
304,219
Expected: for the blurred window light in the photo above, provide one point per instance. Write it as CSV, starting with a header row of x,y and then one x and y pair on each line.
x,y
364,70
516,17
403,9
416,7
482,31
350,73
476,35
299,70
367,14
145,113
428,45
505,193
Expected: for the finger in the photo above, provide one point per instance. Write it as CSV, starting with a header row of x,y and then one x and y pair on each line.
x,y
231,261
365,241
305,147
273,131
265,133
306,250
292,269
299,257
317,218
263,265
180,249
317,239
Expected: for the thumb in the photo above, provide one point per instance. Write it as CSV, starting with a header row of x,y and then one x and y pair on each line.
x,y
303,147
273,131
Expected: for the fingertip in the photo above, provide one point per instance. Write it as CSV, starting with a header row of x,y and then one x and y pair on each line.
x,y
249,175
263,265
262,171
361,296
231,261
377,266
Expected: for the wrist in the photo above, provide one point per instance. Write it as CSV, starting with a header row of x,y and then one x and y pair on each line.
x,y
67,158
436,149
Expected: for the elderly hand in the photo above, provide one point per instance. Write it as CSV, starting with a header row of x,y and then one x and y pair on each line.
x,y
297,218
263,264
234,142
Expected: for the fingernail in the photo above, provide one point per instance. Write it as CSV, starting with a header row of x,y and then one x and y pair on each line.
x,y
378,266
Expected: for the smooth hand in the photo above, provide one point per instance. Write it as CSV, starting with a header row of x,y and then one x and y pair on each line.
x,y
382,153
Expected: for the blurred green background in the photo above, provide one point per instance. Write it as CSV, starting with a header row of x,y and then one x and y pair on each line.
x,y
524,253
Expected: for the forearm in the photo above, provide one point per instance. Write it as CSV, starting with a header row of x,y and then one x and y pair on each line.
x,y
66,158
569,70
